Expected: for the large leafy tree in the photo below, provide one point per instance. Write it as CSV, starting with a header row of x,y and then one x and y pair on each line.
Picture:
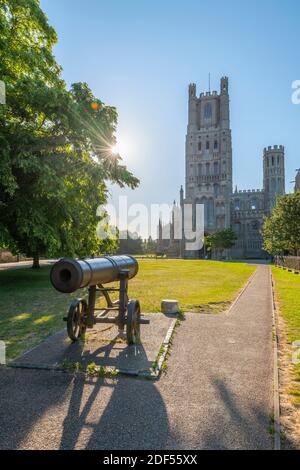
x,y
55,144
130,243
221,240
281,231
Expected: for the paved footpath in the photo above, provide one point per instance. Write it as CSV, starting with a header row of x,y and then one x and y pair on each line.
x,y
216,394
23,264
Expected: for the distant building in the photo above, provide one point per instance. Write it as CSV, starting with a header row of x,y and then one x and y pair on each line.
x,y
208,176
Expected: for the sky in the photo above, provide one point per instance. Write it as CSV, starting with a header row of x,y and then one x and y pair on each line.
x,y
140,56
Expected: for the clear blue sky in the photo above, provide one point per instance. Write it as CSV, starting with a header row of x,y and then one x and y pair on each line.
x,y
141,55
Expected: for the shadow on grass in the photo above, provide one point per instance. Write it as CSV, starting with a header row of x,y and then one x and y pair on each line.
x,y
30,309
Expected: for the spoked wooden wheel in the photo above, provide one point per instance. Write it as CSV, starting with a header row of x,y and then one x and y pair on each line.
x,y
133,322
76,319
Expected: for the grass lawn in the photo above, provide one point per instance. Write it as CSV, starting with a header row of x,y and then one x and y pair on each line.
x,y
31,310
287,287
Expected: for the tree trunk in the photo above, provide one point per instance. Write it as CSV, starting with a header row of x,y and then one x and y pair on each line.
x,y
36,261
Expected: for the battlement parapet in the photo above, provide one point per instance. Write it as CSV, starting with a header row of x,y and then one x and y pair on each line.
x,y
208,94
249,191
273,148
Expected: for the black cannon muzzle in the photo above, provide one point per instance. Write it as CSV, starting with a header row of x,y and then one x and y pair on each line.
x,y
68,275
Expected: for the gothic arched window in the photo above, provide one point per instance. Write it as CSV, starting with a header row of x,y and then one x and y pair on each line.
x,y
216,190
207,111
210,210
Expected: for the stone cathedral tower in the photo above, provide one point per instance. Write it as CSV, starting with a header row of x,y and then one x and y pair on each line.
x,y
208,179
209,156
274,175
209,175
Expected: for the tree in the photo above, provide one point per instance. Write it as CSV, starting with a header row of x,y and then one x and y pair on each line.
x,y
221,240
55,145
150,245
281,231
132,244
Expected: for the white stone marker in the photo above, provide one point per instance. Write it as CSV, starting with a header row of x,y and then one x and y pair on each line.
x,y
169,306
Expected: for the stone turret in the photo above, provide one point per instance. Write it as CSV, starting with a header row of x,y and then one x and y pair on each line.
x,y
274,174
224,104
192,120
297,182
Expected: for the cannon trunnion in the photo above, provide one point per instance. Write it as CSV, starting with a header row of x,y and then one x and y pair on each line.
x,y
68,275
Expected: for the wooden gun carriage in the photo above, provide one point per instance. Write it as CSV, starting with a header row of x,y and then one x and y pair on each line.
x,y
69,275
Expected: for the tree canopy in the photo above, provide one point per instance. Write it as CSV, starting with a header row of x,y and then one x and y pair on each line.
x,y
55,156
281,231
221,240
130,243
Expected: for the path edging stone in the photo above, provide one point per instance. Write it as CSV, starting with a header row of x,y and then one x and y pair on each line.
x,y
276,398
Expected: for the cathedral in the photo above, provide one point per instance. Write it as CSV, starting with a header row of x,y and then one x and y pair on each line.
x,y
208,178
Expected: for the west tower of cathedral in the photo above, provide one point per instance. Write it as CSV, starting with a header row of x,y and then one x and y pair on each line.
x,y
208,177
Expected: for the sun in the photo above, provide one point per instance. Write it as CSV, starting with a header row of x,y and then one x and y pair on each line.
x,y
122,147
115,149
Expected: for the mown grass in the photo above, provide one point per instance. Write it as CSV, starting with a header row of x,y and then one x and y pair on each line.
x,y
197,285
287,287
31,310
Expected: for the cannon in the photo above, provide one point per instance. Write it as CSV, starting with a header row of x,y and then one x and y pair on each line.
x,y
68,275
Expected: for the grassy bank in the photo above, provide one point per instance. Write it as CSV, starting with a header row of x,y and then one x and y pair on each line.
x,y
31,310
287,287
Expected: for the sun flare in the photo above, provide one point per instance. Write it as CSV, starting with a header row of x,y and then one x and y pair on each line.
x,y
115,149
122,147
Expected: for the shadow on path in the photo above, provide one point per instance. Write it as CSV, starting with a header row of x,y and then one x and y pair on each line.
x,y
134,417
242,424
51,410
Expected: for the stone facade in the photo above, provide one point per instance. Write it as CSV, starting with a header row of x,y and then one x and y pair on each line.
x,y
248,208
208,178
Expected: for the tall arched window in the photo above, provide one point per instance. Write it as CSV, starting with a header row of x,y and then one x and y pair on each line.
x,y
216,190
207,111
210,210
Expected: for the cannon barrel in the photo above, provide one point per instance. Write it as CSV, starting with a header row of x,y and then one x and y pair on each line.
x,y
68,275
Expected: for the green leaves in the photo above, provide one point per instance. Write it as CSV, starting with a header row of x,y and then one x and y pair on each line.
x,y
281,231
55,144
222,240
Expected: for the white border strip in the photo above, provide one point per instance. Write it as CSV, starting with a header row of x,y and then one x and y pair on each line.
x,y
165,345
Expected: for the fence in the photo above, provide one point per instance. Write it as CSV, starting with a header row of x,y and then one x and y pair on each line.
x,y
288,262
